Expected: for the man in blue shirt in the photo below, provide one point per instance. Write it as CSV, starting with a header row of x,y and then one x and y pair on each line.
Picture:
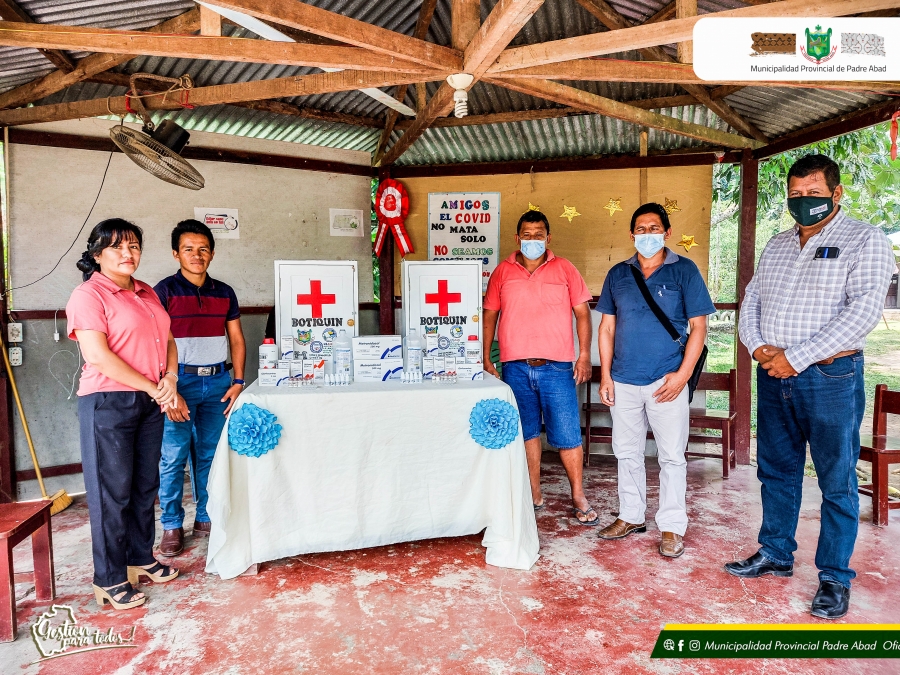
x,y
645,373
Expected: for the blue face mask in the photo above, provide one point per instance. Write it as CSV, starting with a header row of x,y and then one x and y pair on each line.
x,y
533,248
648,245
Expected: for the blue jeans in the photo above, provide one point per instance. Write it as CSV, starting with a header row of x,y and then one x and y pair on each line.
x,y
546,391
202,395
823,406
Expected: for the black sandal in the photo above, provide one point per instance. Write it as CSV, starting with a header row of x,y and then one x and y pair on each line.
x,y
158,573
104,595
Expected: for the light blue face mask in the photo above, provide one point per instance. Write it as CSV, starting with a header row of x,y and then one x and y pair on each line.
x,y
532,248
648,245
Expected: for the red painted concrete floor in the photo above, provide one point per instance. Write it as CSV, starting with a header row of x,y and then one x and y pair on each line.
x,y
588,606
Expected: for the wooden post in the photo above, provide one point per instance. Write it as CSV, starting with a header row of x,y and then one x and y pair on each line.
x,y
7,451
745,264
683,10
465,20
643,172
386,284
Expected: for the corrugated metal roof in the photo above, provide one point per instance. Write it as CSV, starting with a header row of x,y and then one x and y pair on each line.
x,y
775,111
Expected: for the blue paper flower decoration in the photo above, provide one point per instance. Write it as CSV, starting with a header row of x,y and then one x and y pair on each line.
x,y
252,430
494,424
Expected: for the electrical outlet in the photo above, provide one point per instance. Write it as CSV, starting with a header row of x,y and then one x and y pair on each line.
x,y
15,356
14,332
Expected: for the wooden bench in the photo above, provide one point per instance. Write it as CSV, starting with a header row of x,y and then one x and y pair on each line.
x,y
17,521
881,451
700,418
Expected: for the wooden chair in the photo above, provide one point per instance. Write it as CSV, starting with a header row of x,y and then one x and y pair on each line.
x,y
17,521
700,418
881,451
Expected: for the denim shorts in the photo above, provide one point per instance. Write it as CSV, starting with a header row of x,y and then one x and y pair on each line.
x,y
546,391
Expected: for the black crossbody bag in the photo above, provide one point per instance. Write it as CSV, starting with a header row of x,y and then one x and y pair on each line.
x,y
664,320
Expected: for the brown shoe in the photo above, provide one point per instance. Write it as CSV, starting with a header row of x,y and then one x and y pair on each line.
x,y
671,545
620,529
172,542
202,529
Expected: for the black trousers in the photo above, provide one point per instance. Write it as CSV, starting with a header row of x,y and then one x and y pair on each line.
x,y
121,439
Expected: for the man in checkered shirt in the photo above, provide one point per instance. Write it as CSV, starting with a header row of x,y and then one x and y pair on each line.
x,y
818,291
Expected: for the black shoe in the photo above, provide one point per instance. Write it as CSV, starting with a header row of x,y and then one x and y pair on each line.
x,y
832,600
756,566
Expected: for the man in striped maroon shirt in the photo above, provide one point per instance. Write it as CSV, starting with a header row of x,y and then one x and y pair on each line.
x,y
205,321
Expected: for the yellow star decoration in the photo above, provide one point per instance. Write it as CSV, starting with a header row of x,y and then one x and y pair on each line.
x,y
671,206
569,212
532,207
613,205
687,241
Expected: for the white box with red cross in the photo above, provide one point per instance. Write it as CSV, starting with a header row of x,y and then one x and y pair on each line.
x,y
314,299
442,301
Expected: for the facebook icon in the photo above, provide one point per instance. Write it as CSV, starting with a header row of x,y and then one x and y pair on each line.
x,y
680,645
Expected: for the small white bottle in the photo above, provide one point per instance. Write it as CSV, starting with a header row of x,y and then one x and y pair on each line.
x,y
412,352
342,353
268,354
473,350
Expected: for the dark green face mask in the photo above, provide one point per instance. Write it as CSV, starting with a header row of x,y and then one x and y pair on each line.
x,y
810,210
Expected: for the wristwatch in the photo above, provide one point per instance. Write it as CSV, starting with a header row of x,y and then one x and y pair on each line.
x,y
240,382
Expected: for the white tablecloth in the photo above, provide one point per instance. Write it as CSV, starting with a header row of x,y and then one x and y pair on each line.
x,y
369,465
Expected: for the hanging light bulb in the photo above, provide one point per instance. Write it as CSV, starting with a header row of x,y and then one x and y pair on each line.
x,y
460,82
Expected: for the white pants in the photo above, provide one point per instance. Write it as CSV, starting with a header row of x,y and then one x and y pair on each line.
x,y
634,408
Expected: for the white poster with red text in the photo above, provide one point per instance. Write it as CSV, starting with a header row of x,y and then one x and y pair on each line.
x,y
465,226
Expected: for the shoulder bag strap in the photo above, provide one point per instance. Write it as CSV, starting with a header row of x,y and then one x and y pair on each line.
x,y
651,303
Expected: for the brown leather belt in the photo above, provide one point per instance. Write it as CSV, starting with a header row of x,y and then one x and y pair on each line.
x,y
536,363
839,355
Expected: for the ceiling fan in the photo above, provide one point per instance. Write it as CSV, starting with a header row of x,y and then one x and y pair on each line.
x,y
266,31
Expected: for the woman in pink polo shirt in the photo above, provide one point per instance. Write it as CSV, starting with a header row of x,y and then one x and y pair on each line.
x,y
128,379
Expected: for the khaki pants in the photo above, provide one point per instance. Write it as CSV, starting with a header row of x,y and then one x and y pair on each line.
x,y
634,409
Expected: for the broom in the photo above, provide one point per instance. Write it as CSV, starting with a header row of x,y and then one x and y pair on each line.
x,y
60,500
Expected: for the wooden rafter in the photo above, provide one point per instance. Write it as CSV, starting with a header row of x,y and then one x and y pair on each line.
x,y
201,47
335,26
619,70
501,26
426,13
278,107
583,100
667,32
210,22
90,65
613,20
10,11
255,90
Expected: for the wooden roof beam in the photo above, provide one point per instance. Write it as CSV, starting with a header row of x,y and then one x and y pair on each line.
x,y
201,47
58,80
336,26
613,20
668,32
10,11
583,100
501,26
255,90
426,13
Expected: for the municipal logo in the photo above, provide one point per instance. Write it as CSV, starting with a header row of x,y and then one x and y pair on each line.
x,y
456,331
818,47
328,335
431,330
443,342
316,347
304,337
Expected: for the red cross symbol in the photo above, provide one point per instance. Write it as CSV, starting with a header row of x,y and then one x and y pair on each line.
x,y
315,298
442,298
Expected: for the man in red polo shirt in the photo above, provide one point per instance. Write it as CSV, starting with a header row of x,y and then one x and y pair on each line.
x,y
534,293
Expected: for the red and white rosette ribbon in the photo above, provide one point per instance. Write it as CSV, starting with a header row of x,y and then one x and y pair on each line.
x,y
894,135
391,209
